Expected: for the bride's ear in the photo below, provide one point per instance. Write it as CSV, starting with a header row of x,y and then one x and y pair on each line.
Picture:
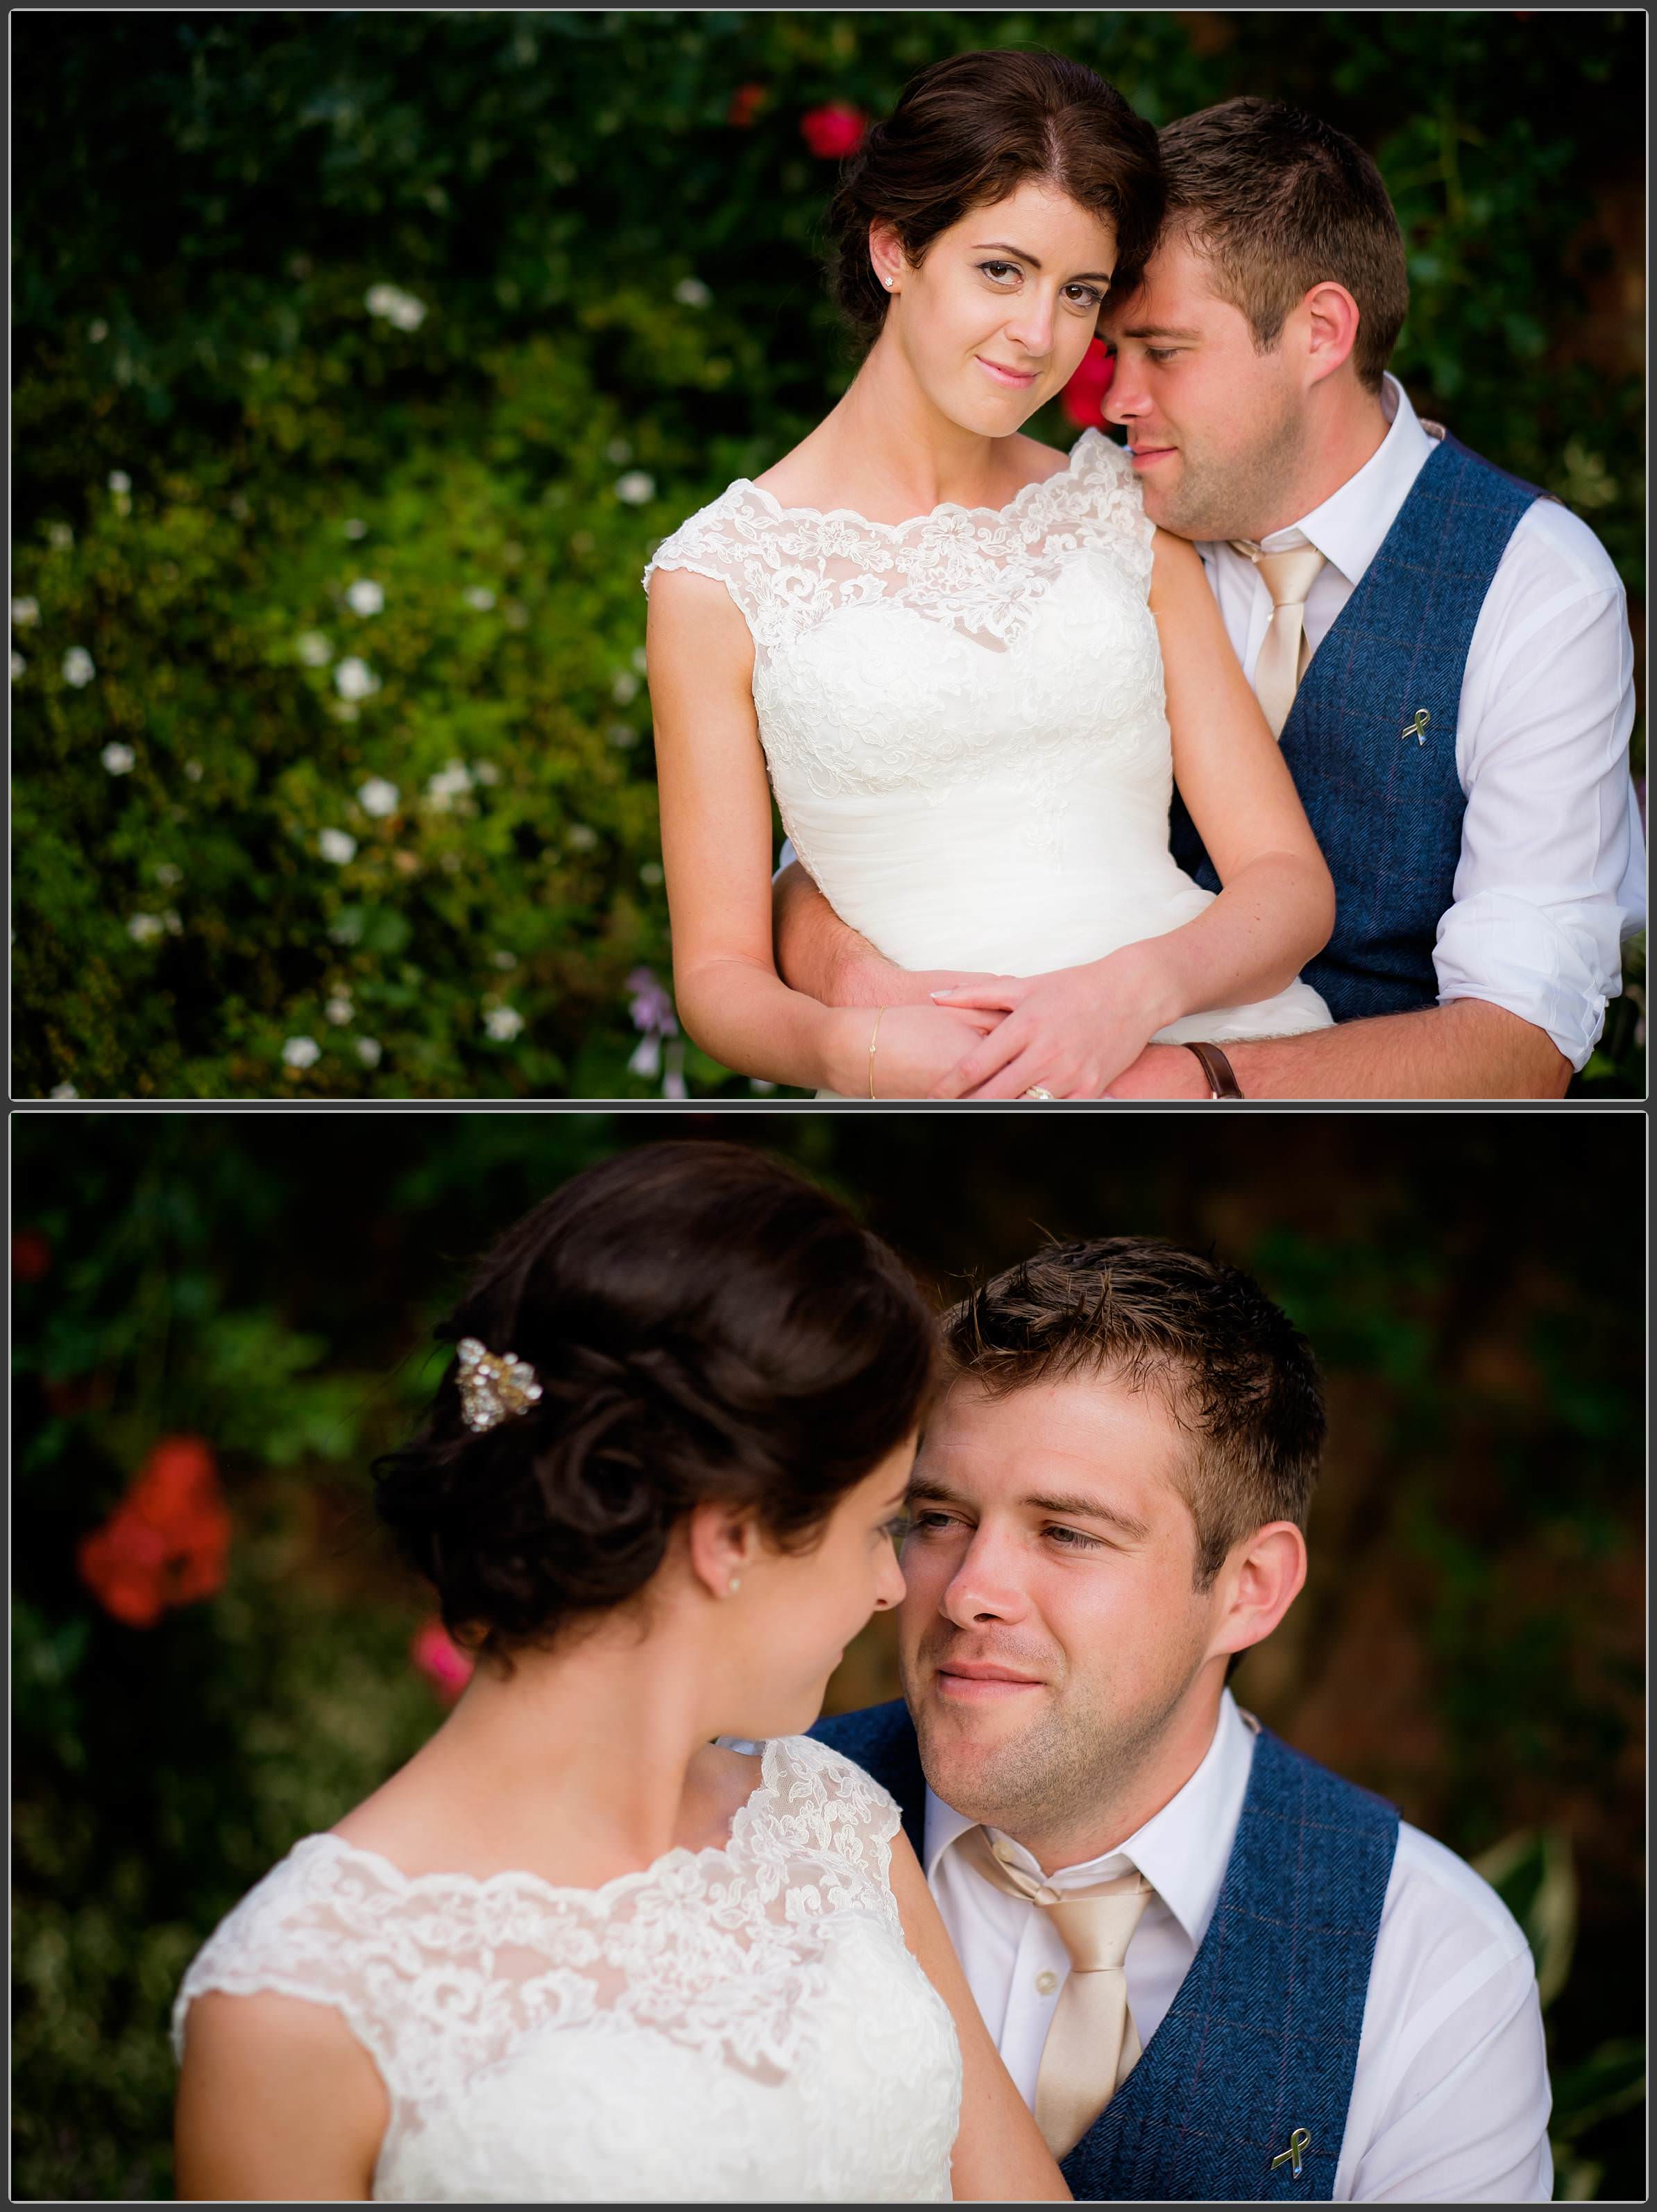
x,y
721,1542
886,256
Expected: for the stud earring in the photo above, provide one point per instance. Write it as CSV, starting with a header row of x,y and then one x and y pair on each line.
x,y
734,1586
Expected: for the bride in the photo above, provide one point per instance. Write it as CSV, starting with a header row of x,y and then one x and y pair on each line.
x,y
578,1950
972,667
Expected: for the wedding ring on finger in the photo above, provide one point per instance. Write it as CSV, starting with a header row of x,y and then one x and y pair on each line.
x,y
1036,1091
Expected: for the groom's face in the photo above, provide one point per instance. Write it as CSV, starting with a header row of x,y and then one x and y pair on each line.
x,y
1052,1631
1216,428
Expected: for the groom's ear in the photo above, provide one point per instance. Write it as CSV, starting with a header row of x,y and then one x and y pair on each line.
x,y
1260,1580
1329,317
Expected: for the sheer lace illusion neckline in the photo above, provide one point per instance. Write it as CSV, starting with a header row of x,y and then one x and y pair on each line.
x,y
1083,445
328,1843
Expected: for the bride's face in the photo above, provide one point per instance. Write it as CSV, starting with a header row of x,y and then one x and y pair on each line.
x,y
1003,306
787,1626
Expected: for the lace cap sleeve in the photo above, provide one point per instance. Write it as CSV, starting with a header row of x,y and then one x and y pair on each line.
x,y
1104,474
719,541
823,1802
309,1929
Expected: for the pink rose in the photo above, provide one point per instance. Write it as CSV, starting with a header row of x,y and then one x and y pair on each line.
x,y
1083,398
833,131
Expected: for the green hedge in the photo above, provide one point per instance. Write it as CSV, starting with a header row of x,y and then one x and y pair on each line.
x,y
473,309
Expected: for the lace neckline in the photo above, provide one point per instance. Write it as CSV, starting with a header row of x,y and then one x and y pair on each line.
x,y
1084,444
600,1900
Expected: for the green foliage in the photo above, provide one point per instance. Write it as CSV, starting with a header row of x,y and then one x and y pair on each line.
x,y
475,308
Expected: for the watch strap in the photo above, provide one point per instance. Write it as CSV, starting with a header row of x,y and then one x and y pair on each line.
x,y
1221,1083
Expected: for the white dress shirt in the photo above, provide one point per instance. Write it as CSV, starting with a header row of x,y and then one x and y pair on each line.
x,y
1552,870
1450,2098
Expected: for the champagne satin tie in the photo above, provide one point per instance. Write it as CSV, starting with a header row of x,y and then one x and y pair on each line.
x,y
1092,2044
1289,576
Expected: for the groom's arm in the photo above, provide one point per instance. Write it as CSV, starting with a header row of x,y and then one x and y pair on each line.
x,y
1465,1048
819,954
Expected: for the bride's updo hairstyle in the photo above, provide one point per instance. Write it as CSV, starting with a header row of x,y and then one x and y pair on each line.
x,y
969,130
704,1324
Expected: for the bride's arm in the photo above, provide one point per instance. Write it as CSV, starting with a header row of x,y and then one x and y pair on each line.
x,y
278,2101
1075,1031
999,2156
716,850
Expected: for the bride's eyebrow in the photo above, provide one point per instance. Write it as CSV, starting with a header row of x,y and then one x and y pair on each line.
x,y
1000,245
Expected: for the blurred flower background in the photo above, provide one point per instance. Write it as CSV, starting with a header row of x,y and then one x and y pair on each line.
x,y
220,1318
360,360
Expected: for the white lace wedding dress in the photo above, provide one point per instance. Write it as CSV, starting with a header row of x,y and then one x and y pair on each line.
x,y
964,719
741,2025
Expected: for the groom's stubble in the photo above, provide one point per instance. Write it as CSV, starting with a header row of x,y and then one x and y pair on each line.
x,y
1217,494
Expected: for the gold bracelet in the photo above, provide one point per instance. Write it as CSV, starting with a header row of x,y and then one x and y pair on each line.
x,y
873,1041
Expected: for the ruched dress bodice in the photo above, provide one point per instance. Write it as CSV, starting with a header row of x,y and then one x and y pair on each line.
x,y
963,721
739,2025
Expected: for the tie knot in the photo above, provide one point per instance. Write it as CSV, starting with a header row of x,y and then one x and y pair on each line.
x,y
1288,575
1097,1929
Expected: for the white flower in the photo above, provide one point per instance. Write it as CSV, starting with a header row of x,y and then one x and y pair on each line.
x,y
503,1023
504,959
486,771
651,873
119,480
619,452
368,1051
193,770
118,759
64,1090
673,1083
171,922
639,661
647,1058
167,873
18,665
77,667
355,528
301,1052
580,838
377,797
59,537
314,649
760,1087
449,784
625,689
25,613
365,596
145,928
337,845
98,331
396,306
481,597
637,486
354,679
339,1010
691,292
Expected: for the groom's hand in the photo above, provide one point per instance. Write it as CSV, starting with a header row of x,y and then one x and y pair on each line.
x,y
817,953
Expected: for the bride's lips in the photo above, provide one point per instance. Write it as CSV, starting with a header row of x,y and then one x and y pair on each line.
x,y
1015,380
966,1683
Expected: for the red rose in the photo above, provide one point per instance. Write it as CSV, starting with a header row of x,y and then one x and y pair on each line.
x,y
833,131
442,1661
167,1542
31,1256
746,102
1083,398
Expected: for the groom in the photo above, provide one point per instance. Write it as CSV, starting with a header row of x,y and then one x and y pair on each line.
x,y
1443,650
1214,1969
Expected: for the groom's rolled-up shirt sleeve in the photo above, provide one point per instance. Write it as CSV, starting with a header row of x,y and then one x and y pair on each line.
x,y
1550,881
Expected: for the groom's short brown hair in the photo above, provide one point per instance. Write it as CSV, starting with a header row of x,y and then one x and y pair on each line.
x,y
1277,201
1233,1369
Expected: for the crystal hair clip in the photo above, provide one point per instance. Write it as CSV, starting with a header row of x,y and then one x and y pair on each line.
x,y
495,1387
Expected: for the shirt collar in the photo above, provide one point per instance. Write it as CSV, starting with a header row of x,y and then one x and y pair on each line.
x,y
1350,525
1182,1851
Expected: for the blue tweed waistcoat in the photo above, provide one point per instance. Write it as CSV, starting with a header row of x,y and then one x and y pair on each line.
x,y
1386,808
1262,2039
